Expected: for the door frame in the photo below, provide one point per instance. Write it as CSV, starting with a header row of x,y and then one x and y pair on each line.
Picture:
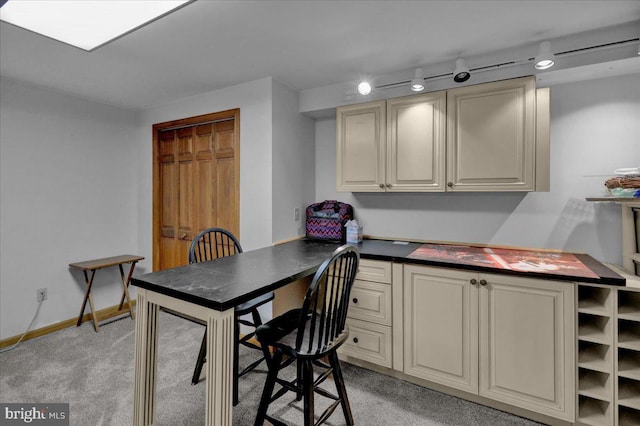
x,y
231,114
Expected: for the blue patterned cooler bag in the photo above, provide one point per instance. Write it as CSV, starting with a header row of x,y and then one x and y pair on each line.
x,y
325,220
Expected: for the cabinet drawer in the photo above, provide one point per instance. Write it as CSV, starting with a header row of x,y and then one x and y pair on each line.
x,y
374,270
368,342
370,301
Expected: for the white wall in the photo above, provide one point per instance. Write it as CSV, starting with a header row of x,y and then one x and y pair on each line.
x,y
293,163
595,128
67,193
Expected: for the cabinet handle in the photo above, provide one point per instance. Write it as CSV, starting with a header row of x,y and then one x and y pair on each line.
x,y
450,184
382,185
473,281
388,185
483,282
355,300
355,340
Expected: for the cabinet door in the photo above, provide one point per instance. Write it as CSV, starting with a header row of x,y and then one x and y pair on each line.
x,y
527,339
416,135
441,329
491,136
360,147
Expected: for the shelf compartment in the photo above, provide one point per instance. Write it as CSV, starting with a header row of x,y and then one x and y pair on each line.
x,y
629,393
629,305
594,411
628,417
595,356
594,328
629,334
629,364
595,300
595,384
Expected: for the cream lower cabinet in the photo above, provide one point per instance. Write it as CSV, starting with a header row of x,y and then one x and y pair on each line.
x,y
441,326
509,339
370,314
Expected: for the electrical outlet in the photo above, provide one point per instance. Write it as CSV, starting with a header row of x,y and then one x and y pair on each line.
x,y
42,294
296,213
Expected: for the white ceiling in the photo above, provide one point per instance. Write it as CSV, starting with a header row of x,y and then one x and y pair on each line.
x,y
209,44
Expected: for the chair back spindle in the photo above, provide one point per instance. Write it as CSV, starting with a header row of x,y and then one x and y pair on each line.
x,y
213,243
324,310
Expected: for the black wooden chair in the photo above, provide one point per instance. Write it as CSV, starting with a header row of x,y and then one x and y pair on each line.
x,y
309,335
214,243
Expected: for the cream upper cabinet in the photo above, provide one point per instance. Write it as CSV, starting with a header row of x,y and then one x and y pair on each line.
x,y
392,146
491,136
510,339
361,147
416,134
485,137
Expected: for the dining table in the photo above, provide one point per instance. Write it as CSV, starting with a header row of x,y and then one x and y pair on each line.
x,y
209,291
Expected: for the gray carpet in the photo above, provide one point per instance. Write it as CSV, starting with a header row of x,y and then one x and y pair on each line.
x,y
94,373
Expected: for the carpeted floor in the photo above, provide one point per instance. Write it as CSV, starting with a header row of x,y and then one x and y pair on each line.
x,y
94,373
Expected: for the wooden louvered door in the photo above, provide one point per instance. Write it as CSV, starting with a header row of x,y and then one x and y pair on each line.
x,y
196,182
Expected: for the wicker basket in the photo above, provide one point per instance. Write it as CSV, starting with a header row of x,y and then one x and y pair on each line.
x,y
623,182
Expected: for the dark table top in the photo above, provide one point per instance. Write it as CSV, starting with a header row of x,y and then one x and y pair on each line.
x,y
224,283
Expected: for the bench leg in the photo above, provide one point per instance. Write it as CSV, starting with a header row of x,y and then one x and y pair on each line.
x,y
125,286
87,296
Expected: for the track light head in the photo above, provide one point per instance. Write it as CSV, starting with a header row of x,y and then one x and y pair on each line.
x,y
461,73
545,58
364,88
417,84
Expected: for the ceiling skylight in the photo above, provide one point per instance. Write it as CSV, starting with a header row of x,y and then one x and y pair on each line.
x,y
86,24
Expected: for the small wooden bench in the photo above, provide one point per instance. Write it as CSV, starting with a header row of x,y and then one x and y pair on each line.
x,y
93,266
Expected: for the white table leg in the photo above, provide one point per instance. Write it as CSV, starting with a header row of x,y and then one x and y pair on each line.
x,y
146,361
219,366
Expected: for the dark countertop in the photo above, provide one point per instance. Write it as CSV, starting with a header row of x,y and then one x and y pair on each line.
x,y
390,251
224,283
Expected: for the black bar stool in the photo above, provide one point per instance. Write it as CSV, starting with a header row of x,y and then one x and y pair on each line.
x,y
215,243
309,335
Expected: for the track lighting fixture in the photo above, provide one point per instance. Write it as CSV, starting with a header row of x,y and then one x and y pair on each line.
x,y
364,88
545,58
461,73
417,84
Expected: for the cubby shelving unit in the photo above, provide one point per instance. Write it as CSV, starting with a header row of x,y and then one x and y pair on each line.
x,y
596,355
628,360
609,370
